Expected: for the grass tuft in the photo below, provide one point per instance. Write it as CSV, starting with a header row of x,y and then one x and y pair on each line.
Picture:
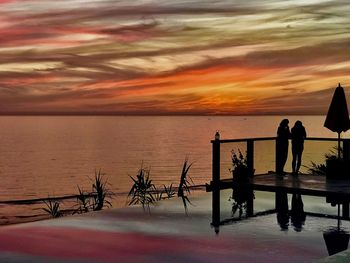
x,y
52,208
169,191
83,201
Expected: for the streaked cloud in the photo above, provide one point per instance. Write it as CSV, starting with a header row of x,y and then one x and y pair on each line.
x,y
172,57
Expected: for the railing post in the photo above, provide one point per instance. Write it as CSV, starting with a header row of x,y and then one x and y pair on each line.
x,y
250,156
216,185
346,157
346,149
250,164
276,157
345,210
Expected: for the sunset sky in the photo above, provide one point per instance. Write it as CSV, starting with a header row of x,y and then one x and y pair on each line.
x,y
172,56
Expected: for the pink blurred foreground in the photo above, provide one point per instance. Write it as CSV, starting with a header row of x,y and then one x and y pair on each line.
x,y
165,235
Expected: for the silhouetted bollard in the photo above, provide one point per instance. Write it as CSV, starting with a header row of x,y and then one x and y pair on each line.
x,y
216,183
250,164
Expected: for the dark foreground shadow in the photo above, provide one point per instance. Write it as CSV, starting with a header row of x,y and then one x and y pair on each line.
x,y
294,217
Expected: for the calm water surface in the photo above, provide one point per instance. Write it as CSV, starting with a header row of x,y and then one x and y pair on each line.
x,y
50,156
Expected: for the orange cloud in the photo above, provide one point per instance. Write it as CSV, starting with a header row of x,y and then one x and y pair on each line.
x,y
187,57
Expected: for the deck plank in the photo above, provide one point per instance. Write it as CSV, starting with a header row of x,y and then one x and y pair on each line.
x,y
313,185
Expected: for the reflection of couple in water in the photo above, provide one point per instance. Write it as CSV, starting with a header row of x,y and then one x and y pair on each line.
x,y
297,134
296,215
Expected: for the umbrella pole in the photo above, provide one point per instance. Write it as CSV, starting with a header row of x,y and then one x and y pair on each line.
x,y
338,216
338,145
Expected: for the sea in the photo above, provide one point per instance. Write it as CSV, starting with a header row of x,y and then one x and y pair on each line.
x,y
49,156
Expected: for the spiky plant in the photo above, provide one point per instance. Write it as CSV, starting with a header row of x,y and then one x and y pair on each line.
x,y
320,169
157,194
169,191
100,192
52,208
83,202
185,183
143,190
317,169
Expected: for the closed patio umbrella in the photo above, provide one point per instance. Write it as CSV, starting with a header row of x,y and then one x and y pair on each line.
x,y
337,119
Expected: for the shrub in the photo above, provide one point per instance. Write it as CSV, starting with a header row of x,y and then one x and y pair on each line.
x,y
240,171
241,192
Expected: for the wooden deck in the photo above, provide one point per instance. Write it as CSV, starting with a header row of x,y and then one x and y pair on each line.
x,y
313,185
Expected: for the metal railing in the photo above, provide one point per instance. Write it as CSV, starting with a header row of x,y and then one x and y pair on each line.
x,y
318,146
250,143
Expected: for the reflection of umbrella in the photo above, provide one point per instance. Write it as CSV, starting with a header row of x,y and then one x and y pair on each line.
x,y
337,119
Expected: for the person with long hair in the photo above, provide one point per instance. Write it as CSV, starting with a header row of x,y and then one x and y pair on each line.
x,y
282,142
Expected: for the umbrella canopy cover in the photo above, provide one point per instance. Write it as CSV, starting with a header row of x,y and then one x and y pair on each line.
x,y
337,119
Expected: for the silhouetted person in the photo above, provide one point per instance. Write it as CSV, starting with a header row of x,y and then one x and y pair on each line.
x,y
281,202
283,134
298,136
298,215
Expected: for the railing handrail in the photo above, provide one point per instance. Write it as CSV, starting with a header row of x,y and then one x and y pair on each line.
x,y
245,139
274,138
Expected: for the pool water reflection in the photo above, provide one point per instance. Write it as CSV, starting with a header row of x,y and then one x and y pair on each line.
x,y
294,214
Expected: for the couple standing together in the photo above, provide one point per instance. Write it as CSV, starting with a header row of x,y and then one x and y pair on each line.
x,y
297,134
